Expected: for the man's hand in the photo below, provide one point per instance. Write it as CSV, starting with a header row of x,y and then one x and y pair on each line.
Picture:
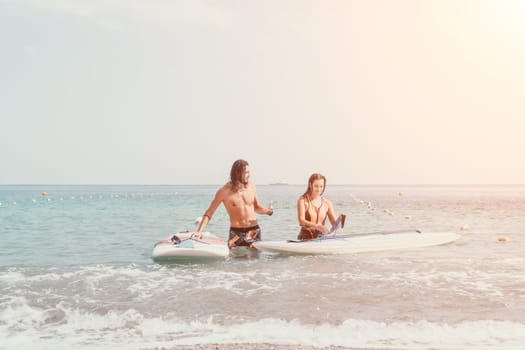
x,y
270,209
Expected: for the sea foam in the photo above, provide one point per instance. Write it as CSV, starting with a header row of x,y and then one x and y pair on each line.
x,y
30,327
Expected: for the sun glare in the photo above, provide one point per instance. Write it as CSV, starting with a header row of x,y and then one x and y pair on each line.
x,y
506,16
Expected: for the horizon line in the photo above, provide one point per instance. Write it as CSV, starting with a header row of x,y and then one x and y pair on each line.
x,y
263,184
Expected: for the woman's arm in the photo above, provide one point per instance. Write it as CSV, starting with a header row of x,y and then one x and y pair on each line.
x,y
301,213
330,213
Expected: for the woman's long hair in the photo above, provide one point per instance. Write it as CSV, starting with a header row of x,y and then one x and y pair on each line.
x,y
311,180
236,173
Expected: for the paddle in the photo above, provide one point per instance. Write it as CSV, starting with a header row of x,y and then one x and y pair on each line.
x,y
339,223
373,233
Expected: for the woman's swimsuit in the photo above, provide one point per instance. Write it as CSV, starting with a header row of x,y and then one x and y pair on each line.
x,y
306,232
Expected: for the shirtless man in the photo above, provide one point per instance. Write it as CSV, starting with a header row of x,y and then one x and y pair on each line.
x,y
239,197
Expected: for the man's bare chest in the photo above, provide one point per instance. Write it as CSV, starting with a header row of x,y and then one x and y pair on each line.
x,y
241,199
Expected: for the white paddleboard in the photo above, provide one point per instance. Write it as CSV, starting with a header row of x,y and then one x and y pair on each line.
x,y
359,243
184,247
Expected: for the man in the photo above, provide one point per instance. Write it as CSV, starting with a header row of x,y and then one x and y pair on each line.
x,y
239,197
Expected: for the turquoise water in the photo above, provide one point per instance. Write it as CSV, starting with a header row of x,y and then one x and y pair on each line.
x,y
76,272
75,225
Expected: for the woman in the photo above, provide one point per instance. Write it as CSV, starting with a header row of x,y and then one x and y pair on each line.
x,y
313,209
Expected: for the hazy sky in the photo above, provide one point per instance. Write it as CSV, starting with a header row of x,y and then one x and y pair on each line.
x,y
172,92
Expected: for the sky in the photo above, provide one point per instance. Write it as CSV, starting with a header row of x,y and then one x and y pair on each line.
x,y
172,92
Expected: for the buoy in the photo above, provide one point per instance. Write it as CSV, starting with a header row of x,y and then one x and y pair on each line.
x,y
44,194
503,239
198,220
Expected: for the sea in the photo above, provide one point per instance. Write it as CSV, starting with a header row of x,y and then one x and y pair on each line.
x,y
76,271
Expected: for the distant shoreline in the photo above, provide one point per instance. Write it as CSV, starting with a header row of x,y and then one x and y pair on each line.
x,y
258,346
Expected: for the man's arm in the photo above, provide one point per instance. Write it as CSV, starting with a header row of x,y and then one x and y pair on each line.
x,y
260,209
219,197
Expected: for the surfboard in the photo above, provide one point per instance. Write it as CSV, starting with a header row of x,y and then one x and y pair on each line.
x,y
181,246
359,243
